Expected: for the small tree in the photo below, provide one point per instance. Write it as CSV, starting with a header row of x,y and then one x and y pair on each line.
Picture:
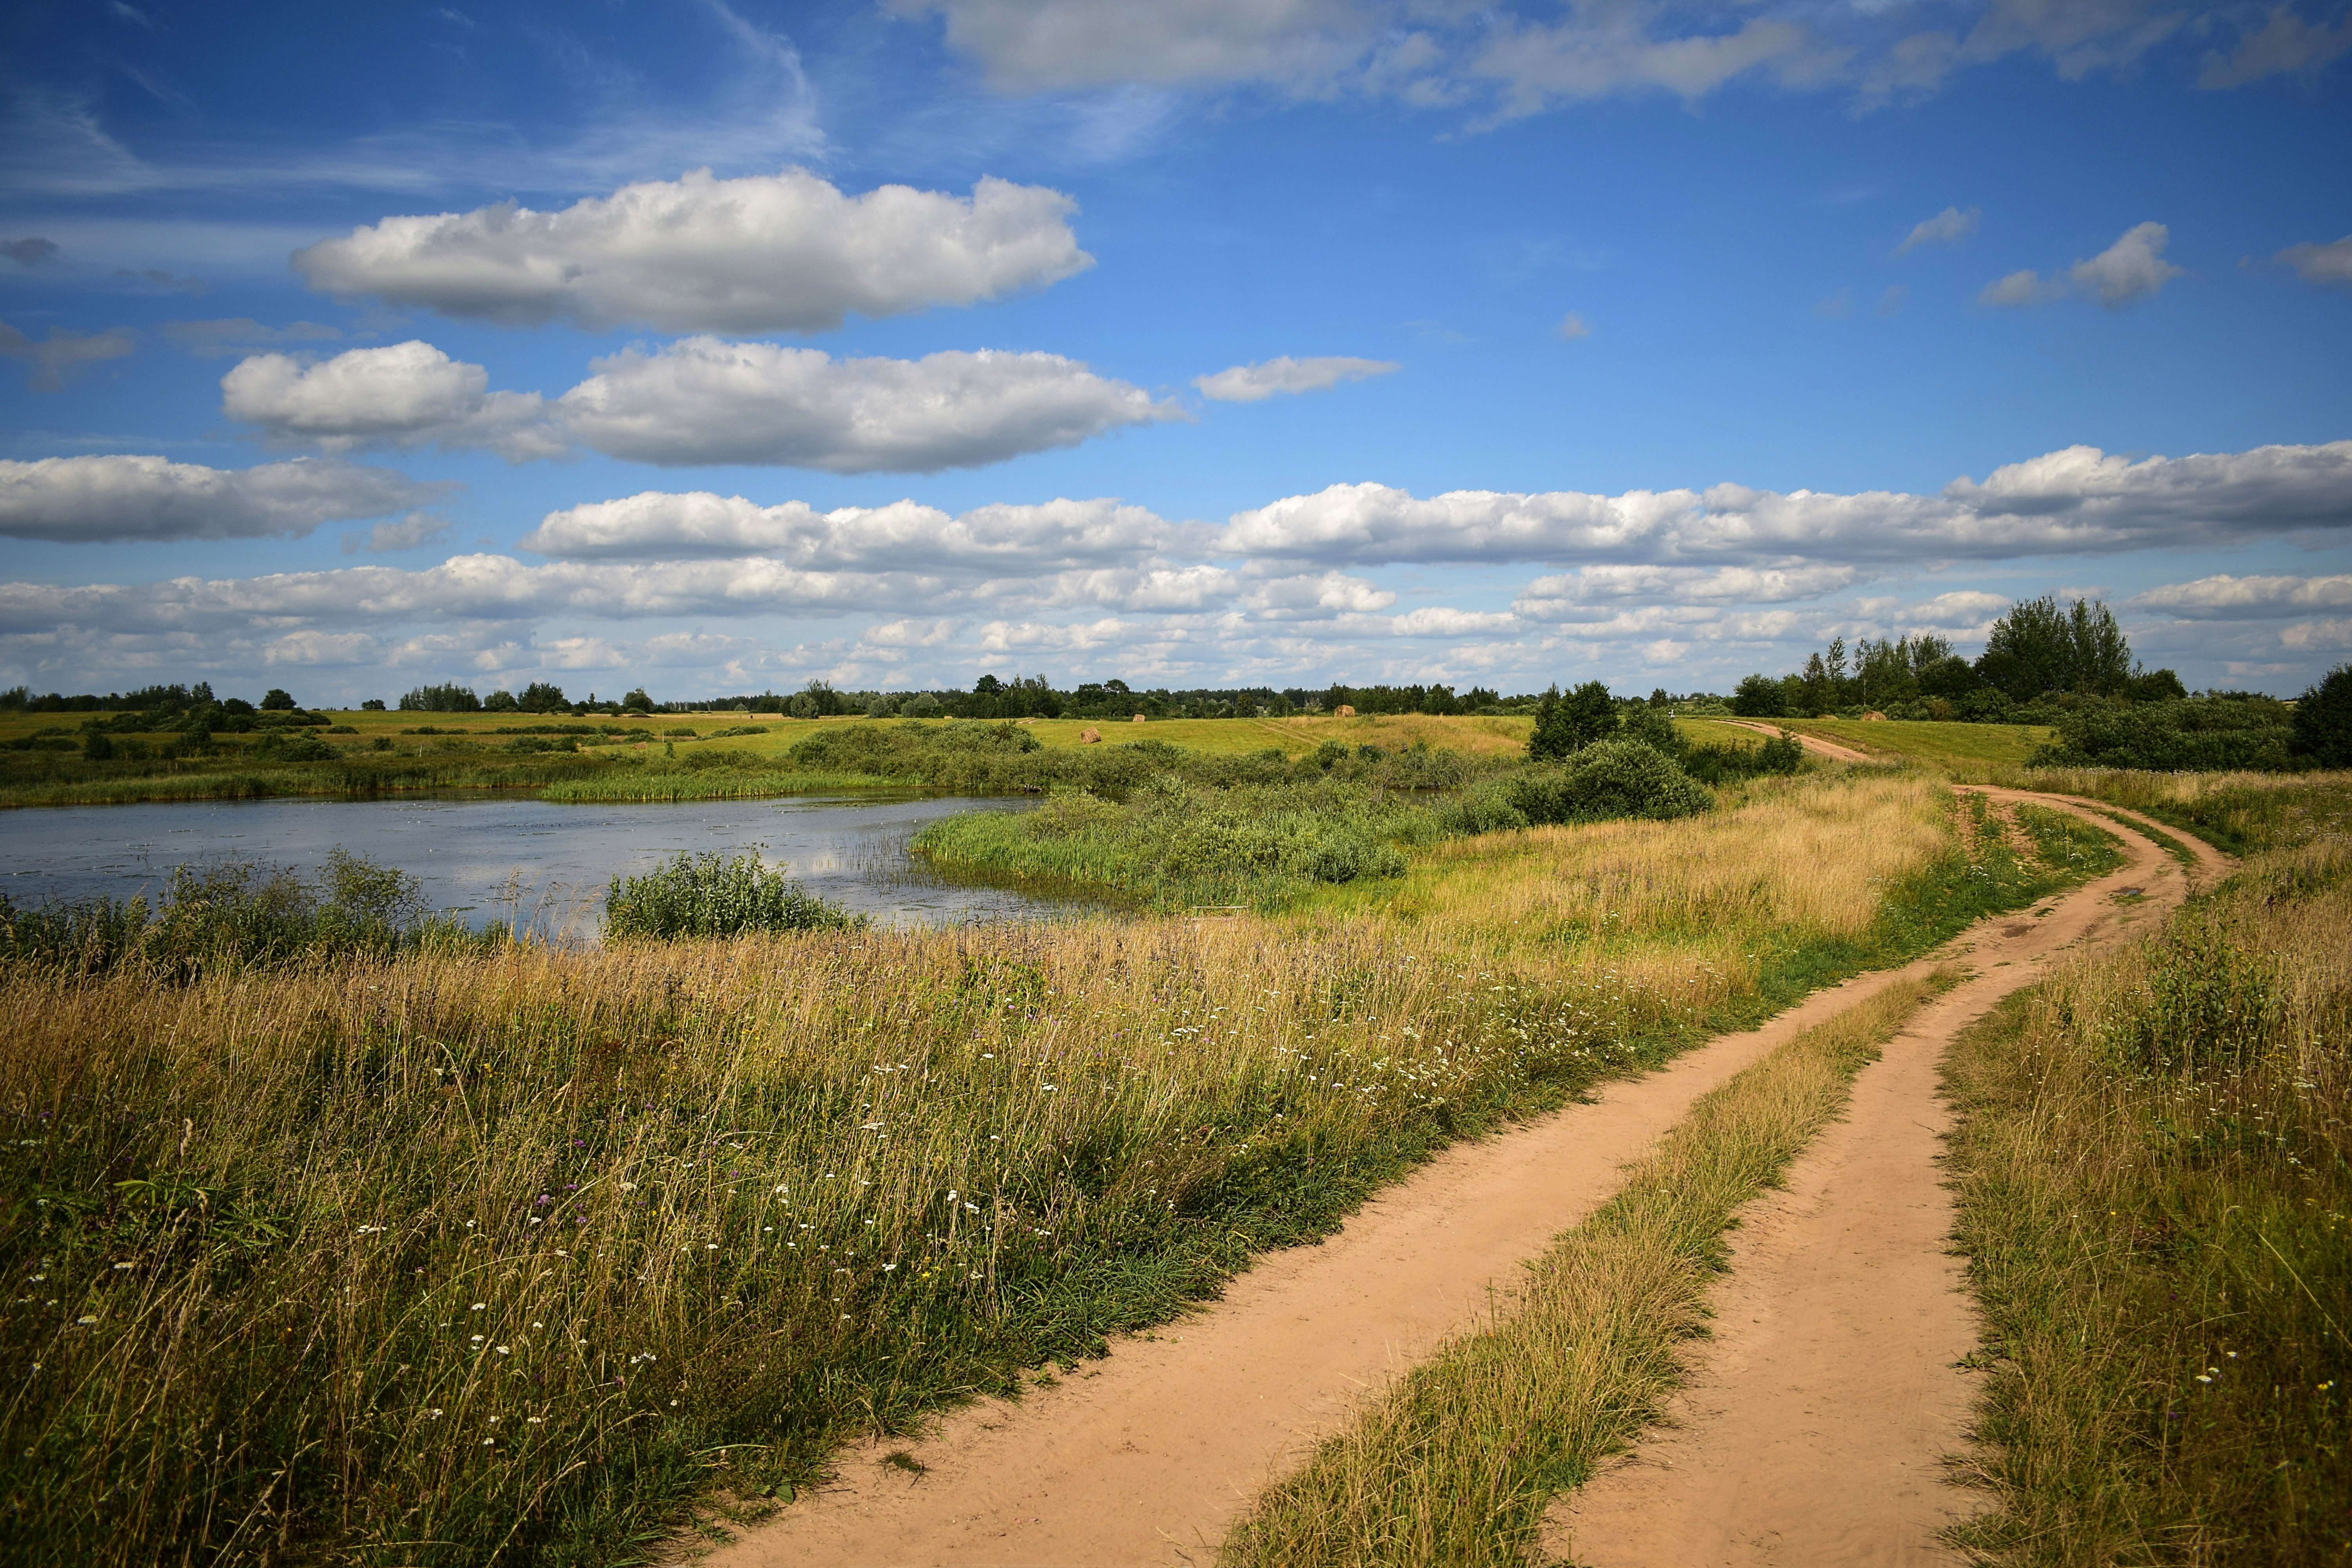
x,y
542,697
1758,696
2323,721
637,702
276,700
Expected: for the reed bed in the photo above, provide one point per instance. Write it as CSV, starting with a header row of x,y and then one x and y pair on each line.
x,y
2154,1175
505,1256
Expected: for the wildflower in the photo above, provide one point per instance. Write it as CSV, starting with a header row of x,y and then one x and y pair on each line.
x,y
85,1320
478,1306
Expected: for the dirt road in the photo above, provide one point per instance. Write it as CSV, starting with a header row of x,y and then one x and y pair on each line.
x,y
1144,1457
1813,743
1817,1419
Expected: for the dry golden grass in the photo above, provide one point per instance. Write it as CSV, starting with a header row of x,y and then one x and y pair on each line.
x,y
1814,852
260,1219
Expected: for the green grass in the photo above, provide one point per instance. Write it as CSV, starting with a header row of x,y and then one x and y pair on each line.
x,y
653,784
2155,1179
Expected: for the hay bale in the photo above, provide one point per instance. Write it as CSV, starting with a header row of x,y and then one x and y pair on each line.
x,y
1090,736
1345,710
1138,718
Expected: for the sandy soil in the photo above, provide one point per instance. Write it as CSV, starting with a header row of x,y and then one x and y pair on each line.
x,y
1812,743
1816,1421
1144,1456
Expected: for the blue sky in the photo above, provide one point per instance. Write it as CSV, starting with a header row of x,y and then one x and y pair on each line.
x,y
716,347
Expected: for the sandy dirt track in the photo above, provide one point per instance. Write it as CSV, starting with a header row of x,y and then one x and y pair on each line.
x,y
1817,1419
1145,1457
1813,743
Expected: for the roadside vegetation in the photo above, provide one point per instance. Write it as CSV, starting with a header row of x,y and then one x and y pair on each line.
x,y
2155,1177
1454,1462
508,1253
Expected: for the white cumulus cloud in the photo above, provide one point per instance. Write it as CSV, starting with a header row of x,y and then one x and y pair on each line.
x,y
2076,500
87,500
902,536
2232,598
406,395
707,400
786,252
1254,382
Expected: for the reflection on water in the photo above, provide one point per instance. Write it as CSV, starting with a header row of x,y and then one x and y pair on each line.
x,y
546,863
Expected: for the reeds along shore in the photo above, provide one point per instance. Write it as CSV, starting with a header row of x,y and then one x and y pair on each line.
x,y
501,1256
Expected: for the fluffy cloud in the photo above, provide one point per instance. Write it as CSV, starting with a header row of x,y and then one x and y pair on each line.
x,y
1946,227
786,252
2247,598
1256,382
2077,500
700,400
2329,263
78,499
57,357
1434,621
706,400
407,394
903,536
2131,268
469,588
1591,593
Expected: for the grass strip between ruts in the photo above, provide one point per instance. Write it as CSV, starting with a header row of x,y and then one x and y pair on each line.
x,y
1454,1465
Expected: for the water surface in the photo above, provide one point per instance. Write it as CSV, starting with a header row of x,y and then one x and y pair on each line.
x,y
493,857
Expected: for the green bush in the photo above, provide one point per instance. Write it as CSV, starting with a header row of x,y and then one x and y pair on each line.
x,y
2202,734
1720,764
1606,780
2323,721
711,894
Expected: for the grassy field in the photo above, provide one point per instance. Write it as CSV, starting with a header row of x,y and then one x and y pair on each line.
x,y
508,1256
2155,1177
1967,748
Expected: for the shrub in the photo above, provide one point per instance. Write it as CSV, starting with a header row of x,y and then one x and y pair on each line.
x,y
1721,764
1758,696
2323,721
2202,734
1610,779
712,894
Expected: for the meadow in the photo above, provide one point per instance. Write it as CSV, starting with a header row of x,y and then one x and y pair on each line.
x,y
511,1254
2155,1176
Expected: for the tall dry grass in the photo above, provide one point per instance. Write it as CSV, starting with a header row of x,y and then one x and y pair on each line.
x,y
2155,1170
501,1257
1455,1461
